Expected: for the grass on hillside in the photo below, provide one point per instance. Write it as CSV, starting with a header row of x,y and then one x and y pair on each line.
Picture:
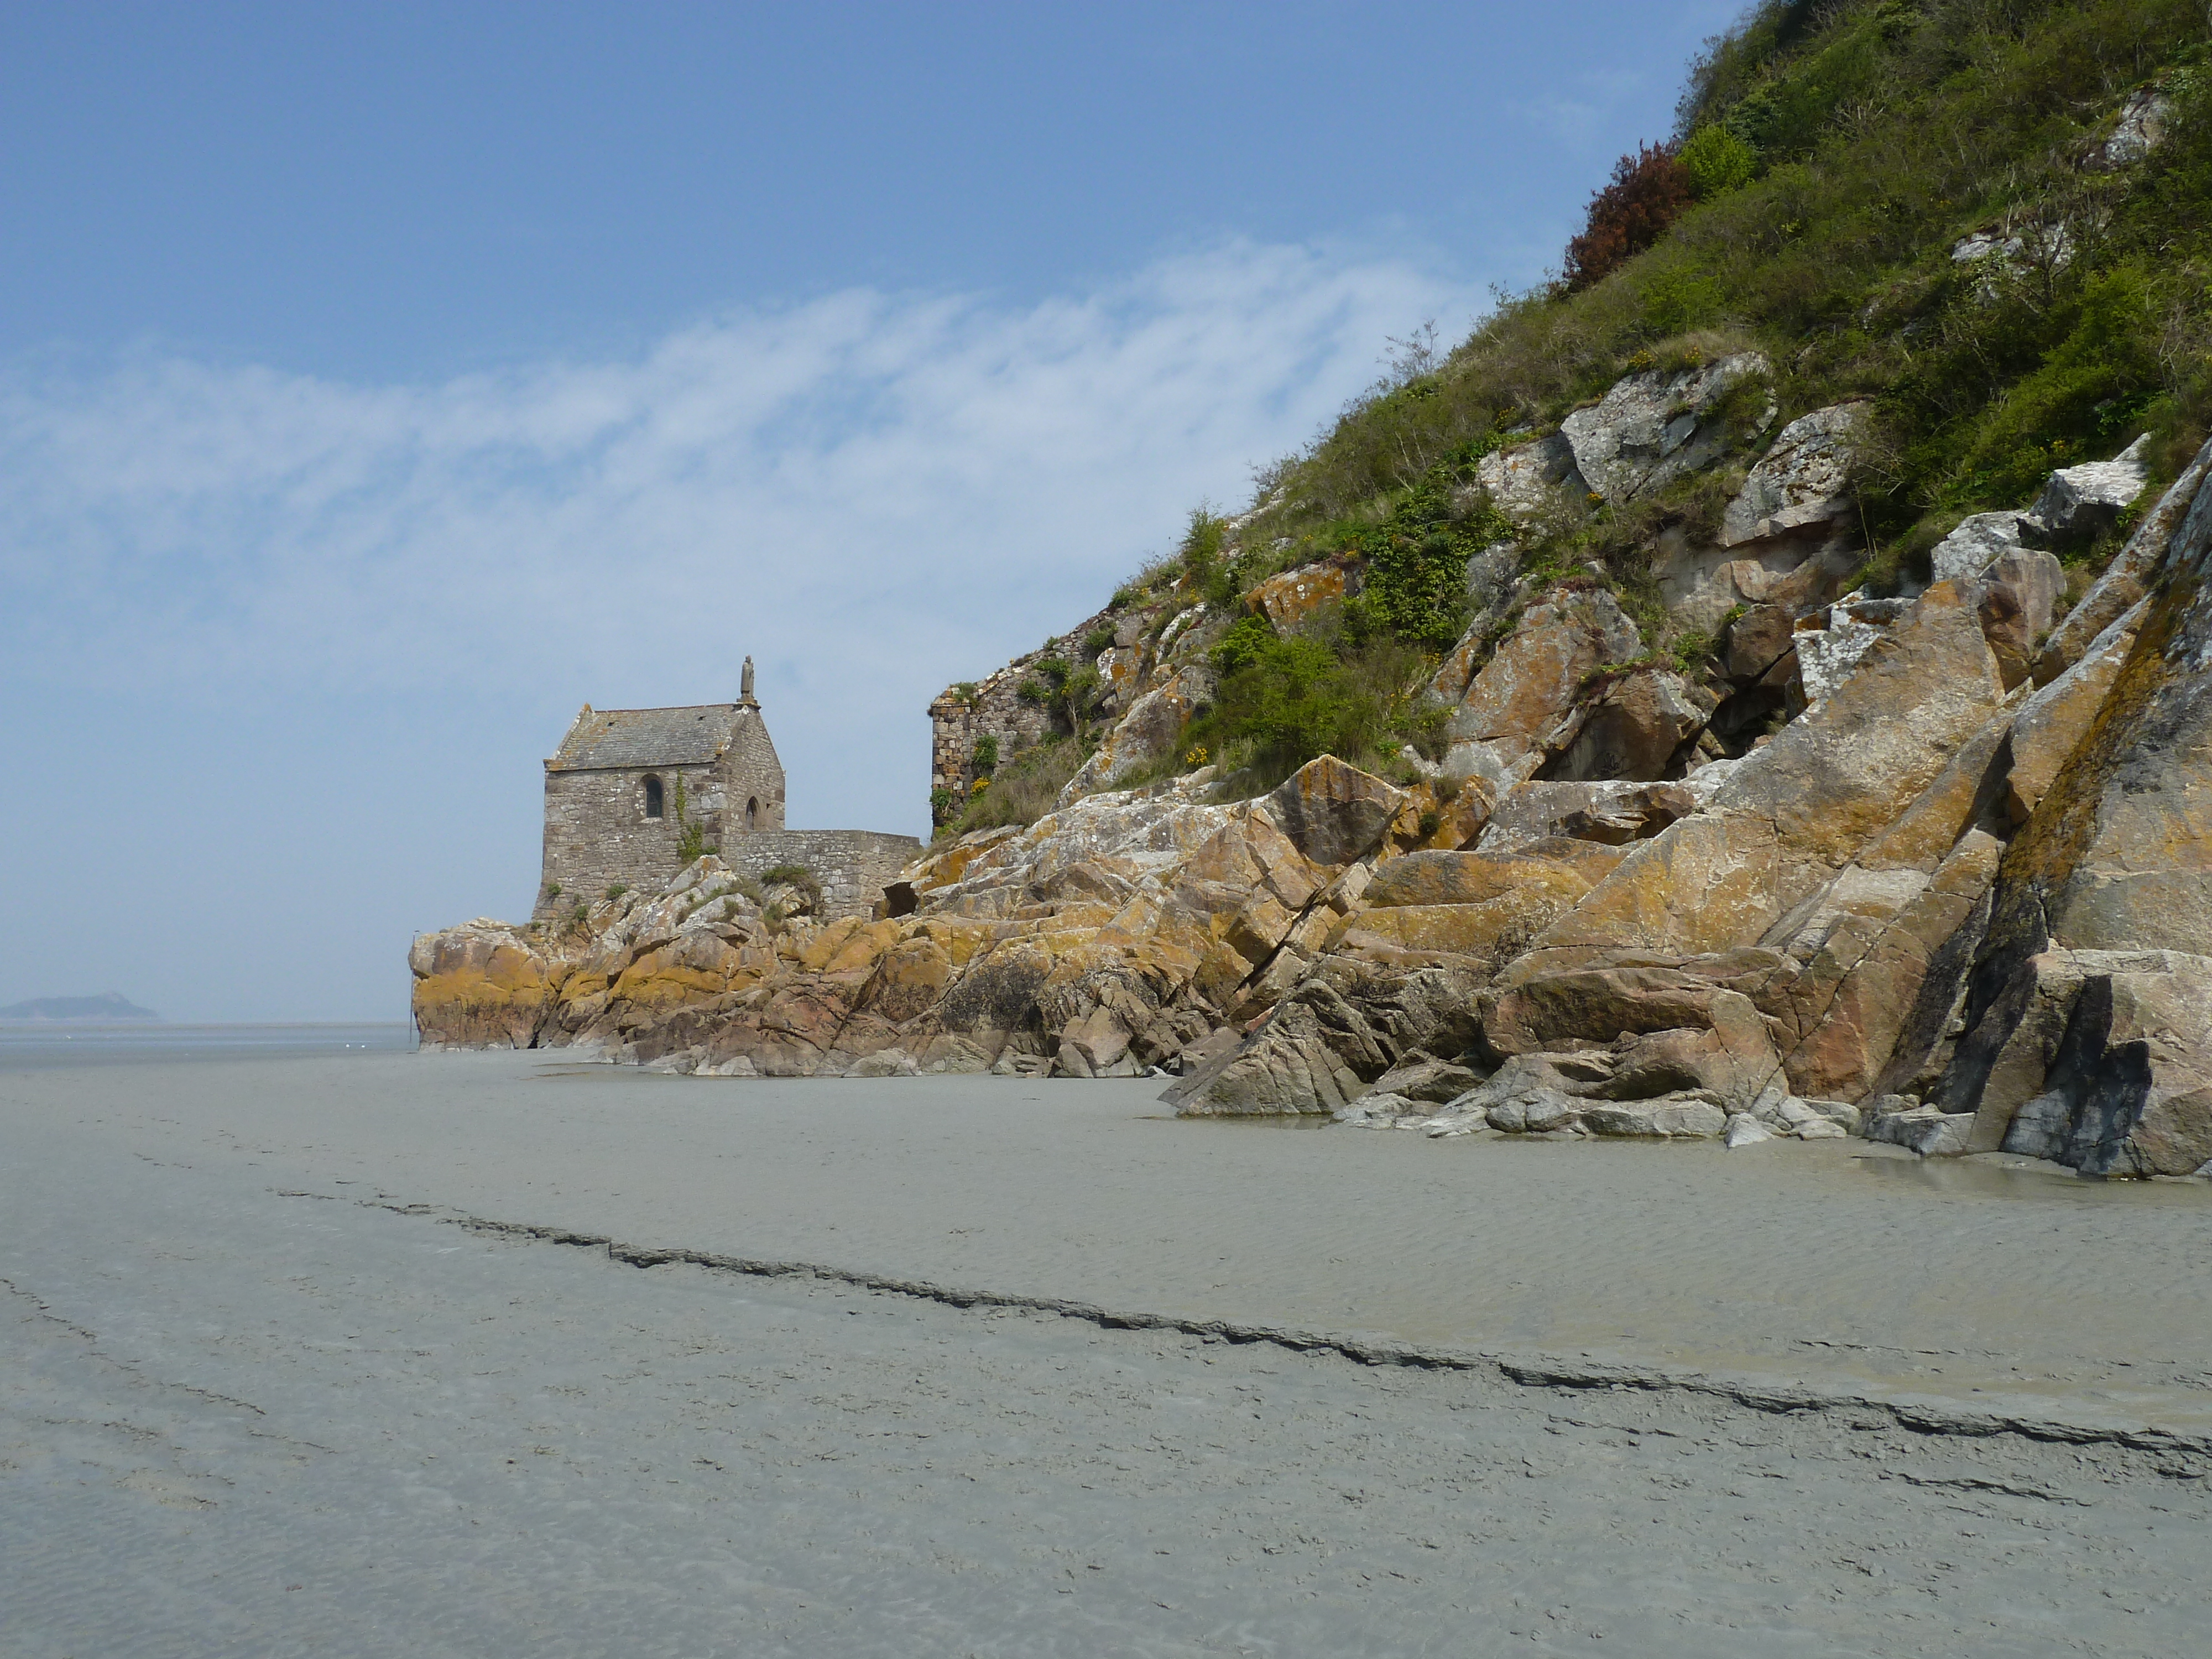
x,y
1839,150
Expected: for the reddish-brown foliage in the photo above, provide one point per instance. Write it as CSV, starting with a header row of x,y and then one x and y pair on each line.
x,y
1647,190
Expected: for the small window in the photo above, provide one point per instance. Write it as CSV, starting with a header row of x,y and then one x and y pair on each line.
x,y
752,813
653,809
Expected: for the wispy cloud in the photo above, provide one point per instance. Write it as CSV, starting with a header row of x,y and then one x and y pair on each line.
x,y
873,494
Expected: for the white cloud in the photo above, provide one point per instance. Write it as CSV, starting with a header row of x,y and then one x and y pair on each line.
x,y
873,494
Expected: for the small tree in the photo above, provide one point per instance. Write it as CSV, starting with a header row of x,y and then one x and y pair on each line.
x,y
1648,192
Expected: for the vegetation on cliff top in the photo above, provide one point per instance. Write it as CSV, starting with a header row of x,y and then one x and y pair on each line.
x,y
1830,156
1878,135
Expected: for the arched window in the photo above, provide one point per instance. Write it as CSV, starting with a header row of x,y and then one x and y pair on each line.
x,y
752,813
652,808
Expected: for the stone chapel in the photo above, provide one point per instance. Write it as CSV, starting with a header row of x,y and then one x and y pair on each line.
x,y
631,790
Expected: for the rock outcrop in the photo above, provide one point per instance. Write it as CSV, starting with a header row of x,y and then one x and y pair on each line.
x,y
1933,868
1652,428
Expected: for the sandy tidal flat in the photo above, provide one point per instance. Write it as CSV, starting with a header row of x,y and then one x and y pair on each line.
x,y
264,1388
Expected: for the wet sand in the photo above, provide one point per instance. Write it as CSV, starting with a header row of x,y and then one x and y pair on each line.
x,y
258,1393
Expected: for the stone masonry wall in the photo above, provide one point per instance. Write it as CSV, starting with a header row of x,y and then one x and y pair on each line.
x,y
853,865
753,773
995,709
597,832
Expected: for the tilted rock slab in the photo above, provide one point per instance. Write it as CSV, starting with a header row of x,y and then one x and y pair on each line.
x,y
1653,428
2115,858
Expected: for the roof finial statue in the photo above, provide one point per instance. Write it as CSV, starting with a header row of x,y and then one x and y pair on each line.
x,y
745,687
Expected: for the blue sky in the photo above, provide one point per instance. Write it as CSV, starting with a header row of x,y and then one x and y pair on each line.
x,y
379,384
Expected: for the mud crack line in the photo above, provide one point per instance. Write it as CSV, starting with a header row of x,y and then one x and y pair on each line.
x,y
1565,1374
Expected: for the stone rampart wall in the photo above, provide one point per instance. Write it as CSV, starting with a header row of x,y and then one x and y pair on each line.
x,y
994,707
853,865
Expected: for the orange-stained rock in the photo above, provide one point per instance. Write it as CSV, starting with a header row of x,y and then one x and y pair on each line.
x,y
1454,817
1565,868
1797,811
1333,812
1536,674
485,984
1706,883
1288,599
1632,726
1851,978
2052,721
691,968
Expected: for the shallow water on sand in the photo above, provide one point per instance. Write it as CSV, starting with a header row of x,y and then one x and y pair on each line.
x,y
37,1044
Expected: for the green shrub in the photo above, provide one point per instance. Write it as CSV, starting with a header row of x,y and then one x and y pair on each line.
x,y
1209,567
2081,401
1097,641
1284,699
1718,162
986,754
616,890
1024,789
1835,260
1417,563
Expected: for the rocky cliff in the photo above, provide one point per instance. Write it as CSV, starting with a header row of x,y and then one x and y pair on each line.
x,y
1948,903
1695,793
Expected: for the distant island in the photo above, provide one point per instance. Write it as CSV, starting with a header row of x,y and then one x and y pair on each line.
x,y
112,1007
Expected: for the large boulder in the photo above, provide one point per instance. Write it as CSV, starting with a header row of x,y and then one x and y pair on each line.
x,y
2055,720
1976,542
2080,503
1803,479
1757,640
1702,583
1853,967
1653,428
1633,726
1143,737
2019,596
1340,1029
2116,857
483,984
2127,579
2129,1092
1613,812
1334,813
1654,1029
1517,704
1483,905
1796,811
1527,479
1289,598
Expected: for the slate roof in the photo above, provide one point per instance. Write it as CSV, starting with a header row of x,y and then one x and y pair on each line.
x,y
647,736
